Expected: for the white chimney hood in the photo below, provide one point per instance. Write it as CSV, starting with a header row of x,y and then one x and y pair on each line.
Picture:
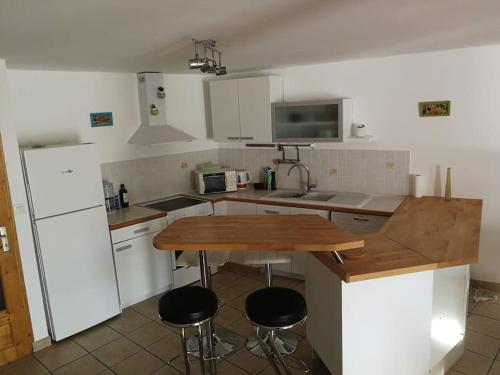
x,y
154,129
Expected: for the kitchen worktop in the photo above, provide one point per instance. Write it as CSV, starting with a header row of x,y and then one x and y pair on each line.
x,y
376,205
131,215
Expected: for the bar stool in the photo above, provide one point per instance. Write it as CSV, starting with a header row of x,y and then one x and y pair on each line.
x,y
225,342
189,306
276,309
286,341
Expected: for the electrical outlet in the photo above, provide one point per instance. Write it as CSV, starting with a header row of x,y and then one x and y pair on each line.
x,y
390,165
333,171
19,209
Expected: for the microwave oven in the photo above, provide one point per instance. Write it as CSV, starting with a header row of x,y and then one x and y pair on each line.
x,y
219,182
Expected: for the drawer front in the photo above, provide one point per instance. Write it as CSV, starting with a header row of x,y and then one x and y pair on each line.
x,y
137,230
265,209
358,219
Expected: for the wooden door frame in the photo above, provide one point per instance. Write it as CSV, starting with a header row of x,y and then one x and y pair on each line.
x,y
16,315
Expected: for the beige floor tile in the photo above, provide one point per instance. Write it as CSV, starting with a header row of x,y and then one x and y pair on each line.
x,y
60,354
495,369
166,348
305,353
116,351
489,309
148,308
128,321
227,368
227,294
87,365
473,364
149,334
246,284
301,287
248,361
300,330
96,337
141,363
224,277
228,315
239,302
453,372
167,370
242,327
25,366
481,344
481,324
285,282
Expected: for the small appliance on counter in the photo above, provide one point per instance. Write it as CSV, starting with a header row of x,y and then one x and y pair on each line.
x,y
213,179
243,179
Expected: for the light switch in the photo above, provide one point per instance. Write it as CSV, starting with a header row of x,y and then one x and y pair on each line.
x,y
19,209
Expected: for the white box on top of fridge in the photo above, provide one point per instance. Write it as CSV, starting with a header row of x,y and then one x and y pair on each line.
x,y
71,236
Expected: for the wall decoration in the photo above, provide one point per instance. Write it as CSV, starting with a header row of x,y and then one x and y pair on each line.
x,y
100,119
433,109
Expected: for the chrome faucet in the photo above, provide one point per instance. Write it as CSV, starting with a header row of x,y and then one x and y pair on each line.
x,y
299,164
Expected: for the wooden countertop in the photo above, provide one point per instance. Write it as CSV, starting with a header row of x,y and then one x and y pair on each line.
x,y
261,233
423,234
132,215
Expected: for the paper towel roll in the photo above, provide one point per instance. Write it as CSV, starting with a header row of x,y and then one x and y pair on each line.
x,y
417,185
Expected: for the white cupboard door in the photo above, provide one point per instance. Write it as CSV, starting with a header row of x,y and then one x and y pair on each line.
x,y
142,271
265,209
255,109
64,179
225,110
78,270
299,257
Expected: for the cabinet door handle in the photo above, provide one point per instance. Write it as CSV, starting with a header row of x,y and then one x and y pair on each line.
x,y
233,138
137,231
121,248
246,138
271,212
360,219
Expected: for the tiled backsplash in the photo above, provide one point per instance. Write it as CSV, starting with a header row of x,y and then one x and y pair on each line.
x,y
368,171
157,177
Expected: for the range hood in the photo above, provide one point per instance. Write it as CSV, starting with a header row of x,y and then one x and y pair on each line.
x,y
154,129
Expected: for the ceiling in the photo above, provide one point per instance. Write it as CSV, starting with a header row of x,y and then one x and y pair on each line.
x,y
142,35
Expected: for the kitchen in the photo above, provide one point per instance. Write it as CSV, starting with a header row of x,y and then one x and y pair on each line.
x,y
384,98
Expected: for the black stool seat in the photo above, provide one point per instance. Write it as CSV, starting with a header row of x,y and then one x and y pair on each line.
x,y
188,305
276,307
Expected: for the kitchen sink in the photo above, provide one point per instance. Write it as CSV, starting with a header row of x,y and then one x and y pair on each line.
x,y
314,196
340,199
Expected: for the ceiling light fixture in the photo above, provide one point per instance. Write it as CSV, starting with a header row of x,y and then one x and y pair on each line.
x,y
207,63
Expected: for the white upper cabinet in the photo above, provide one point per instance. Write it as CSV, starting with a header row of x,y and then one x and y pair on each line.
x,y
241,108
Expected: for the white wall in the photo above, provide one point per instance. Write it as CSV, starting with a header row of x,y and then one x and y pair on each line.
x,y
23,226
54,107
386,92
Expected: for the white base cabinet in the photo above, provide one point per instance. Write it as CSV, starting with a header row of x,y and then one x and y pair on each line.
x,y
142,271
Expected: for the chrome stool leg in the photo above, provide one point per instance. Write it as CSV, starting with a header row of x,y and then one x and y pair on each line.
x,y
266,350
184,351
278,353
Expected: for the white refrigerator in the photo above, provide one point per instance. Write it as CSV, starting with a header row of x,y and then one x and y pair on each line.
x,y
71,237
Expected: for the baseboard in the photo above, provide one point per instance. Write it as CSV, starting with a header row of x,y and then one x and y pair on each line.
x,y
494,287
42,344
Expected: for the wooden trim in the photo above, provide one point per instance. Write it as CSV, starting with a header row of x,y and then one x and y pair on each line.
x,y
137,221
13,280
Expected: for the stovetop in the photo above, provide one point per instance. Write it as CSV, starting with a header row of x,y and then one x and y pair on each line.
x,y
174,203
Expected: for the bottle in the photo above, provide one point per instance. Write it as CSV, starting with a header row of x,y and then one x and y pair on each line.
x,y
123,196
447,193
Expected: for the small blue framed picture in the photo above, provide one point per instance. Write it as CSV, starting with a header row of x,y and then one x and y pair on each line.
x,y
101,119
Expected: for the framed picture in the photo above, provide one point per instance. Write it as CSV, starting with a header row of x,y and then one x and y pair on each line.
x,y
101,119
434,109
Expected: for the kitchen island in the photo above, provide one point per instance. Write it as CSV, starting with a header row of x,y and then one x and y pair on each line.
x,y
398,305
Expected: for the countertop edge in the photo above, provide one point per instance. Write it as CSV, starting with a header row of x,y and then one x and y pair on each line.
x,y
142,219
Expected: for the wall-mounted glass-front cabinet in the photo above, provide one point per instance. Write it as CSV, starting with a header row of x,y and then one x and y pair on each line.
x,y
318,121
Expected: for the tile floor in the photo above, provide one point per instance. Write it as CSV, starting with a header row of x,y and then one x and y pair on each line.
x,y
138,343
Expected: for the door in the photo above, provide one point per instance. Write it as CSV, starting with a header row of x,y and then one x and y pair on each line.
x,y
142,271
255,109
16,339
63,179
225,110
79,271
299,257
